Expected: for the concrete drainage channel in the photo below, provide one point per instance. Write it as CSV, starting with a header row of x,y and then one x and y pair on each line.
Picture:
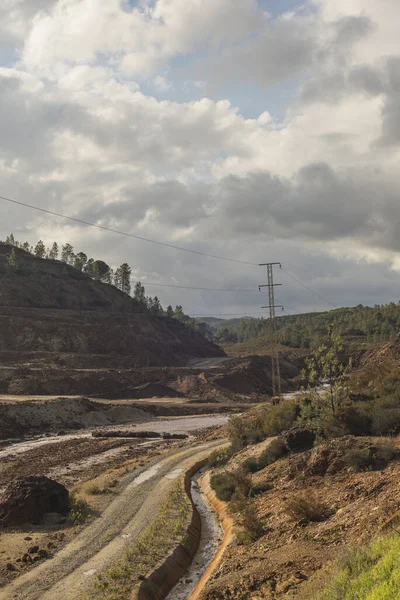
x,y
184,573
211,537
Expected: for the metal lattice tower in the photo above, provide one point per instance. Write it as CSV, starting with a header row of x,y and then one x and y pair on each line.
x,y
276,376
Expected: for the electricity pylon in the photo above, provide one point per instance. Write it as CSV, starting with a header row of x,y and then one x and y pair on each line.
x,y
276,375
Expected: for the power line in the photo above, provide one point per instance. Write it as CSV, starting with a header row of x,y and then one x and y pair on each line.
x,y
308,288
124,233
228,314
186,287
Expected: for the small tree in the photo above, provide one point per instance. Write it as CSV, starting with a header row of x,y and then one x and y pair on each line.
x,y
154,306
12,260
40,249
327,389
126,272
139,293
10,241
178,313
67,254
80,260
170,312
53,254
118,278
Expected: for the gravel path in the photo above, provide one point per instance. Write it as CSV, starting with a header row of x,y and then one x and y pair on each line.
x,y
71,573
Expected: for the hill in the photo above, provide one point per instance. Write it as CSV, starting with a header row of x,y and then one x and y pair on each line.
x,y
49,307
359,326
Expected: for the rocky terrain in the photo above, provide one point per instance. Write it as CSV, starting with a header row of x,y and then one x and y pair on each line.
x,y
312,506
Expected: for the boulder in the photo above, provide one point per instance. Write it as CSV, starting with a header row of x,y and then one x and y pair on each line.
x,y
298,439
27,499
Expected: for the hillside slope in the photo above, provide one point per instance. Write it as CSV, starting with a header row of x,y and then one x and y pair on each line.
x,y
47,306
42,283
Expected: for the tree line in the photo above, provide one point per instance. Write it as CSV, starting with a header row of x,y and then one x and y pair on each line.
x,y
101,271
360,324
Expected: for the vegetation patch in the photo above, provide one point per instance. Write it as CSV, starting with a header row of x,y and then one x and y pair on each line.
x,y
371,573
305,508
369,459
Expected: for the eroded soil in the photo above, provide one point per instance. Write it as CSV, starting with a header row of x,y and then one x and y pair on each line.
x,y
291,557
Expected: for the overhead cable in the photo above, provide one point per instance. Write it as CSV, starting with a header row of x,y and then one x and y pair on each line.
x,y
124,233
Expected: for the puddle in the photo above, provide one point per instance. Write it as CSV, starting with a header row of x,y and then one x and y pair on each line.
x,y
174,474
89,573
211,537
146,475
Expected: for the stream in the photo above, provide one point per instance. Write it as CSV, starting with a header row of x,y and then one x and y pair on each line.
x,y
211,537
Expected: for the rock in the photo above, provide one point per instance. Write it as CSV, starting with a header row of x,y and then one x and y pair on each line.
x,y
27,499
33,549
27,558
43,553
37,558
10,567
284,586
28,538
298,439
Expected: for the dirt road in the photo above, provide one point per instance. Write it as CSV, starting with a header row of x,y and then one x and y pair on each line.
x,y
71,573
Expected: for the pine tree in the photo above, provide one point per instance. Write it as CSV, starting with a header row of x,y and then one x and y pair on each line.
x,y
40,249
67,254
139,293
80,261
53,254
118,278
170,312
12,260
126,272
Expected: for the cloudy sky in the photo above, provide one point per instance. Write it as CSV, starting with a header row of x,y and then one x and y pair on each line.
x,y
260,130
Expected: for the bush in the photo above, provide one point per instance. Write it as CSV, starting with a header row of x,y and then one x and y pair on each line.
x,y
104,484
305,509
243,432
219,458
251,465
275,450
224,486
260,488
252,525
374,458
279,418
79,509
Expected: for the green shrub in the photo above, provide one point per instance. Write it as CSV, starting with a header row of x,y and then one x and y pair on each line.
x,y
385,421
224,486
279,418
251,523
251,465
219,458
79,509
306,508
261,488
371,573
237,433
276,449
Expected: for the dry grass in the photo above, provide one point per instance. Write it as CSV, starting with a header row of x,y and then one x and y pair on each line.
x,y
306,508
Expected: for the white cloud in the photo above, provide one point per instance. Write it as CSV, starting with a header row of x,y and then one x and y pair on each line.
x,y
81,133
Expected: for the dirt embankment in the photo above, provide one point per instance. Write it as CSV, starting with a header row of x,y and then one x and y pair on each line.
x,y
238,380
289,557
23,417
